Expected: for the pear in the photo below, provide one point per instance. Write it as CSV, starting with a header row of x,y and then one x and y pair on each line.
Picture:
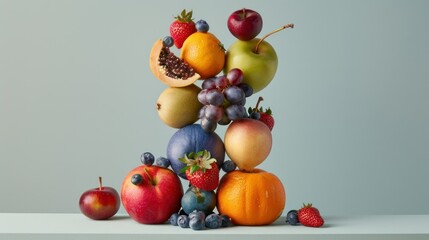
x,y
179,106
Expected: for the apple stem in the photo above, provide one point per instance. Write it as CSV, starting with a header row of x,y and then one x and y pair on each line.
x,y
100,181
149,176
260,99
290,25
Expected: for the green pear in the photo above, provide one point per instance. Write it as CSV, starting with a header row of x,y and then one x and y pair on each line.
x,y
258,67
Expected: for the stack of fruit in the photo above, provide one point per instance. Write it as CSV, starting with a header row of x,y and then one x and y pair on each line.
x,y
209,84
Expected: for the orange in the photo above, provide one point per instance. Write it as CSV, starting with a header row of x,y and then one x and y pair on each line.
x,y
205,53
251,198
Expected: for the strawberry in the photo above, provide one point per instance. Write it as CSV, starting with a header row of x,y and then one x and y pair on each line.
x,y
201,170
266,117
182,28
310,216
261,115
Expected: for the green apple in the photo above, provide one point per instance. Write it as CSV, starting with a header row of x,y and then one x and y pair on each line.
x,y
258,67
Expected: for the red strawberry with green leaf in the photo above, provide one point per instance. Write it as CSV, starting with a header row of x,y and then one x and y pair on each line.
x,y
310,216
262,115
201,170
266,117
182,28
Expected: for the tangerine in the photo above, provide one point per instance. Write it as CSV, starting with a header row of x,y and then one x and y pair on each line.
x,y
251,198
204,53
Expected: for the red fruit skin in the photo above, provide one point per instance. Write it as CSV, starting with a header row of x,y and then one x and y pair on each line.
x,y
99,204
267,119
180,31
155,198
245,24
310,216
207,181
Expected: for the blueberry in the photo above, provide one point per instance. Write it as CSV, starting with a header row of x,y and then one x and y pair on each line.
x,y
213,221
197,215
255,115
168,41
202,26
173,219
147,158
182,212
136,179
163,162
292,217
196,223
228,166
183,221
226,221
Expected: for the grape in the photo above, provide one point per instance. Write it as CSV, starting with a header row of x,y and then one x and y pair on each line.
x,y
208,83
221,82
202,97
235,112
248,90
207,125
242,102
234,94
234,76
213,113
202,111
225,120
215,97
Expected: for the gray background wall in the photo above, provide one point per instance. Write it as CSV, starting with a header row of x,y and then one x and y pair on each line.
x,y
350,99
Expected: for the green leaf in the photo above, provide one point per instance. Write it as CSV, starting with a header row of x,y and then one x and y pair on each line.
x,y
194,168
183,169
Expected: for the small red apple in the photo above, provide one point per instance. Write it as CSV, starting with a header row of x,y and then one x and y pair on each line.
x,y
99,203
245,24
150,194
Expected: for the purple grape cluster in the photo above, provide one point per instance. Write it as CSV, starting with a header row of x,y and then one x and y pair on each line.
x,y
223,98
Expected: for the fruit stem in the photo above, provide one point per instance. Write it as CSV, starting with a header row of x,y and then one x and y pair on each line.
x,y
100,181
260,99
290,25
243,14
149,176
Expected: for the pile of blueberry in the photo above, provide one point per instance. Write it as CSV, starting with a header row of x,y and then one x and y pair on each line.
x,y
197,220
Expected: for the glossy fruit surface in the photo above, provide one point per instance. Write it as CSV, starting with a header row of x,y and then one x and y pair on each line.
x,y
178,107
164,72
245,24
99,203
153,199
193,138
258,68
204,53
292,217
248,143
200,200
182,27
251,198
309,216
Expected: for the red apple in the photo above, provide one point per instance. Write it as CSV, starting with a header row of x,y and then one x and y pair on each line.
x,y
245,24
150,194
99,203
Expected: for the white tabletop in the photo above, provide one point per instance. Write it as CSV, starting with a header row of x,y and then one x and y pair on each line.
x,y
77,226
